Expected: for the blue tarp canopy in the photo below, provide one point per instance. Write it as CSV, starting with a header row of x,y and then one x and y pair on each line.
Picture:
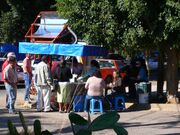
x,y
62,49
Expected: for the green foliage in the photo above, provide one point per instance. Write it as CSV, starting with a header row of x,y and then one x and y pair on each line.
x,y
77,119
46,132
37,127
83,132
94,21
6,27
17,15
12,128
124,24
104,121
23,123
119,130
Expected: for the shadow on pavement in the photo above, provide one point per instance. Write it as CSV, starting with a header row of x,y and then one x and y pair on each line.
x,y
138,107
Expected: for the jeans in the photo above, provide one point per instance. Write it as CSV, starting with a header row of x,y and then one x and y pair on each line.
x,y
7,103
27,86
11,96
87,101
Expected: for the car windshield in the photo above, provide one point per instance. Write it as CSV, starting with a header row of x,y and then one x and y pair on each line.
x,y
106,64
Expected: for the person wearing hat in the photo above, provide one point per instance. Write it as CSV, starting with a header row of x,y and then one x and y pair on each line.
x,y
10,81
6,62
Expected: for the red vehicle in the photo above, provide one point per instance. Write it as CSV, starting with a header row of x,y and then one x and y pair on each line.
x,y
108,66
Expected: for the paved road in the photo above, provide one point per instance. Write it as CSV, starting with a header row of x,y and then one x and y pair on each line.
x,y
142,122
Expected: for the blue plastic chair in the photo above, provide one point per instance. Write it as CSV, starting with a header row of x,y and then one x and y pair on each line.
x,y
96,105
119,103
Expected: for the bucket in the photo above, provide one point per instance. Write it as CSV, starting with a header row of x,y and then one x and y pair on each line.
x,y
144,98
141,87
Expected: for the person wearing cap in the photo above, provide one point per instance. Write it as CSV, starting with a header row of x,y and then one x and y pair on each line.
x,y
6,62
27,69
10,80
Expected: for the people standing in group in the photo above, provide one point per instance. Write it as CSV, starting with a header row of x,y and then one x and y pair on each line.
x,y
11,79
44,83
6,62
27,70
95,86
63,75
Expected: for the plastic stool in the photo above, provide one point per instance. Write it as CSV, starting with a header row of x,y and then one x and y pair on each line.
x,y
78,103
117,105
94,108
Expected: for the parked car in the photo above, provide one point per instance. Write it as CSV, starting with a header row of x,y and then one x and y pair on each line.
x,y
108,66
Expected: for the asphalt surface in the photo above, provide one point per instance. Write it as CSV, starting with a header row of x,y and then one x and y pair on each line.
x,y
137,121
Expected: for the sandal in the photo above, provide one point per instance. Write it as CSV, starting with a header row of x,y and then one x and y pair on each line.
x,y
61,111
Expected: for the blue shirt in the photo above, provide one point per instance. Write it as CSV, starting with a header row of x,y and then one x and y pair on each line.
x,y
142,74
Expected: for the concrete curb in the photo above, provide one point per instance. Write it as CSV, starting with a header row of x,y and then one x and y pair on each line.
x,y
153,107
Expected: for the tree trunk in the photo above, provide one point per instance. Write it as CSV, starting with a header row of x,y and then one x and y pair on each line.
x,y
172,75
160,79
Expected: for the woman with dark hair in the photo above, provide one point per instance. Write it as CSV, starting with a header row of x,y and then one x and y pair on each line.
x,y
63,75
62,72
95,86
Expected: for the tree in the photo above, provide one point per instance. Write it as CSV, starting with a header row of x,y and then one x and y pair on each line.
x,y
130,24
95,21
17,17
158,23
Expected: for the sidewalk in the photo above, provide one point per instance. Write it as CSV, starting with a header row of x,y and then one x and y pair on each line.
x,y
153,119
